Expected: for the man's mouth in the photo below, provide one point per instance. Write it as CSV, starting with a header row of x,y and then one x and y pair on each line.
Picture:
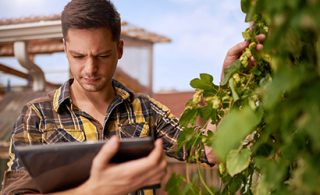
x,y
90,79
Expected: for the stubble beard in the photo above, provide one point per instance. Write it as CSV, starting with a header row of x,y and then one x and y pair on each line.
x,y
96,86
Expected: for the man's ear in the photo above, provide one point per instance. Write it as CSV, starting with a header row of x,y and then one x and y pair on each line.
x,y
120,48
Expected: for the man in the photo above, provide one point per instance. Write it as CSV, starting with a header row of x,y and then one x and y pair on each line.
x,y
93,106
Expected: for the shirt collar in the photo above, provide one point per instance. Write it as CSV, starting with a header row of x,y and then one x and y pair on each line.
x,y
62,96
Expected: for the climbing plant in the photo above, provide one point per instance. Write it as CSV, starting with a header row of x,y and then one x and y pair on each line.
x,y
266,114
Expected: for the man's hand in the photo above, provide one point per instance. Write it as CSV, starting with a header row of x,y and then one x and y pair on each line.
x,y
235,52
107,178
212,158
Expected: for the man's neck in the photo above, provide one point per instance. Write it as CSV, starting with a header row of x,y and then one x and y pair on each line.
x,y
94,103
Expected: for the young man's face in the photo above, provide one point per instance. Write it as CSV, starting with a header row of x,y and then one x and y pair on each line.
x,y
93,57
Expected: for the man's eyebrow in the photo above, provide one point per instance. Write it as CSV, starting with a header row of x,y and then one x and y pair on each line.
x,y
76,52
104,52
100,53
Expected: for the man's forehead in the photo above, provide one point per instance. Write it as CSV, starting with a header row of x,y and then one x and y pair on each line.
x,y
93,41
79,33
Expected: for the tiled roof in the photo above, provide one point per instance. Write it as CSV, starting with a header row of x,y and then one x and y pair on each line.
x,y
44,46
130,82
30,19
128,30
176,101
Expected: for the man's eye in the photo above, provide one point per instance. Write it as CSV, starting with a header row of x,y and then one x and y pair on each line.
x,y
104,56
77,57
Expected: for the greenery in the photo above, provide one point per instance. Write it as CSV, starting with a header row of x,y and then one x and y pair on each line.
x,y
267,116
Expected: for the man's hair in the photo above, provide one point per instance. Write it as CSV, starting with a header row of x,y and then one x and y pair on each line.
x,y
85,14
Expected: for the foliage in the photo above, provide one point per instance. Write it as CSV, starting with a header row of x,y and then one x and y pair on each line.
x,y
267,116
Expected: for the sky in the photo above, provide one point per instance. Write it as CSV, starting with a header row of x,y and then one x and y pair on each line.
x,y
202,31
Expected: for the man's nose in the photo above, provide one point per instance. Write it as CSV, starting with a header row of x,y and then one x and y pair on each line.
x,y
91,65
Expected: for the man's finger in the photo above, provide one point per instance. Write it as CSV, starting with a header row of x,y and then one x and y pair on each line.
x,y
157,152
260,38
237,49
252,62
105,154
259,47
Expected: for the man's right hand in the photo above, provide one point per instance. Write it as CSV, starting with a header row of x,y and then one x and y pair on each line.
x,y
235,52
107,178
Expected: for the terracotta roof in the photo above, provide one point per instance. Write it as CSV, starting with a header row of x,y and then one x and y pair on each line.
x,y
128,29
130,82
176,101
30,19
44,46
140,33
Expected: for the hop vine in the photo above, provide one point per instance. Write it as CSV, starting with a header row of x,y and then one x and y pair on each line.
x,y
263,119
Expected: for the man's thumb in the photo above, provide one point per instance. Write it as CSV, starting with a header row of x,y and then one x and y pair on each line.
x,y
105,154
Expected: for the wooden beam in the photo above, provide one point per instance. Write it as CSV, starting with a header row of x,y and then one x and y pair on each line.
x,y
14,72
23,75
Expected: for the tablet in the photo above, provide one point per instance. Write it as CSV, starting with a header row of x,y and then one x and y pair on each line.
x,y
56,167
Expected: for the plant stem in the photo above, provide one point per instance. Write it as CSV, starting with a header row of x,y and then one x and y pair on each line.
x,y
202,180
187,172
249,80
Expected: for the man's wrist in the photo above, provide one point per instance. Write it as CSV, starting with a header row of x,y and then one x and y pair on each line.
x,y
83,189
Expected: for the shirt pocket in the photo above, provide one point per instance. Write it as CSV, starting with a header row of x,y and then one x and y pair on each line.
x,y
56,135
134,130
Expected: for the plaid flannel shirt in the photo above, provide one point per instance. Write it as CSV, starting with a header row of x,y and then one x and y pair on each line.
x,y
54,119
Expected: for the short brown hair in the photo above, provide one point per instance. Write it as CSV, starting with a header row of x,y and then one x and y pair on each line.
x,y
85,14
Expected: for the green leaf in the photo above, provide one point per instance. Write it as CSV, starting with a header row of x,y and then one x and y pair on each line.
x,y
206,112
318,51
250,13
235,95
206,77
201,84
245,5
237,161
188,117
173,186
283,81
233,185
273,171
234,67
255,70
186,135
233,129
214,116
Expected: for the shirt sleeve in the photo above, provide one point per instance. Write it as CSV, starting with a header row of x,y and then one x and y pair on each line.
x,y
25,132
167,127
18,182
